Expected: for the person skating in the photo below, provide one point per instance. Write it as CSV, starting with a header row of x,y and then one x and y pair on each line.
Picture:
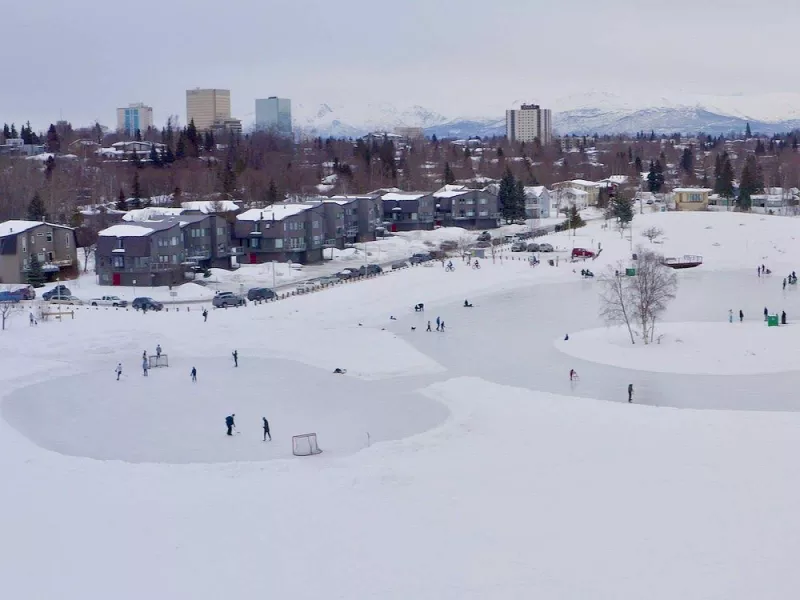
x,y
235,355
572,375
566,338
630,392
759,271
741,315
784,283
442,330
730,315
158,351
144,367
32,319
766,313
438,323
229,423
194,374
783,317
118,370
429,326
266,429
205,315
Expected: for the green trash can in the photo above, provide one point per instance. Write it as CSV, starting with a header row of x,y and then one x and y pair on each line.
x,y
772,320
630,271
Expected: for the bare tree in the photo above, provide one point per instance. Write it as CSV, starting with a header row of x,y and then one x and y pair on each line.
x,y
616,298
8,310
654,286
639,299
464,246
652,233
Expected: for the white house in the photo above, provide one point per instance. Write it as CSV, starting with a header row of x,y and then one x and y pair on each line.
x,y
537,202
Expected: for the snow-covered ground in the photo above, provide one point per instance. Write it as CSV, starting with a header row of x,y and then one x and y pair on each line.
x,y
456,465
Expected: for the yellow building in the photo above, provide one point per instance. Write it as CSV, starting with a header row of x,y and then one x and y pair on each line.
x,y
206,107
691,198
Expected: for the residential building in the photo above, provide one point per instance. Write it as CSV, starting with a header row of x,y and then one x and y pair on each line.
x,y
53,245
281,232
274,114
15,146
528,123
691,198
407,211
537,202
136,117
590,188
221,127
161,252
207,106
459,206
410,133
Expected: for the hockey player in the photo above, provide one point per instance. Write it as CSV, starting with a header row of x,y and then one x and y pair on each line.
x,y
229,423
266,429
235,355
118,370
194,374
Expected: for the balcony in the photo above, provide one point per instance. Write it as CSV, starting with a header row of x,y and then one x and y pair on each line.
x,y
351,231
236,251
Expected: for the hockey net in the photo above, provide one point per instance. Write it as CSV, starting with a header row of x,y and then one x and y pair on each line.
x,y
159,361
305,445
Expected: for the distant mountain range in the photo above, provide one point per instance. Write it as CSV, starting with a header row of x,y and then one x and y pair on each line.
x,y
600,113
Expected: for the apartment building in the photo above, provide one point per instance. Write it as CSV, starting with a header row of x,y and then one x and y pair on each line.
x,y
53,245
281,232
135,117
207,106
528,123
408,211
459,206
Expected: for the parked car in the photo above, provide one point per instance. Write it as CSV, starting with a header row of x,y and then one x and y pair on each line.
x,y
58,291
146,303
226,299
12,297
540,232
518,247
108,301
545,248
484,244
307,286
525,235
260,294
420,257
485,237
27,292
448,245
328,280
533,247
369,270
71,300
346,274
399,265
582,253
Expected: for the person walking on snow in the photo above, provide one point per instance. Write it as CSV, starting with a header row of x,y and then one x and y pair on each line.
x,y
230,424
429,326
158,351
741,315
572,374
266,429
766,313
630,393
759,271
784,283
730,315
442,327
144,354
783,317
118,370
438,323
235,355
32,319
194,374
205,315
144,367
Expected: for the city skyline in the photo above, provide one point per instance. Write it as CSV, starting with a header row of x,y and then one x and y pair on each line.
x,y
322,59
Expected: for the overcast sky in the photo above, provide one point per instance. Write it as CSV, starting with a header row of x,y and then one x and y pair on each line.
x,y
81,59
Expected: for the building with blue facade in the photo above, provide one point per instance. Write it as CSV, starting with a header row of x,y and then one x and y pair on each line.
x,y
274,114
133,118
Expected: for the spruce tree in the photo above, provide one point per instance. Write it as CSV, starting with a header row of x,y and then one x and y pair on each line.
x,y
726,178
36,209
621,209
180,148
687,160
519,199
272,192
208,142
14,134
637,163
193,139
122,203
505,197
35,275
155,158
449,178
136,190
747,132
6,132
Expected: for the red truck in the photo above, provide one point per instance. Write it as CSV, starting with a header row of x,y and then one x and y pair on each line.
x,y
582,253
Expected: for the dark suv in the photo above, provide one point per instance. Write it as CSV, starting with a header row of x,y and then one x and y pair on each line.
x,y
260,294
59,291
370,270
145,303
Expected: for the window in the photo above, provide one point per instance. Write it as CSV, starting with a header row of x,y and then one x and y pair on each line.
x,y
483,201
50,235
220,231
255,243
175,241
278,243
413,216
49,257
119,243
483,213
40,256
256,227
26,263
24,244
163,259
118,262
68,237
174,259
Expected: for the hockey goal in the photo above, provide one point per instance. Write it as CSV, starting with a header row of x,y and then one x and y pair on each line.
x,y
158,361
305,444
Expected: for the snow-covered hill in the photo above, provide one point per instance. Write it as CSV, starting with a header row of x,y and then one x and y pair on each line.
x,y
593,112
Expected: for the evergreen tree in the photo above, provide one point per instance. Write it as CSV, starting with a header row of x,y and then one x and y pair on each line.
x,y
36,209
794,143
35,274
505,196
136,190
177,199
272,192
748,183
169,157
500,152
687,160
228,177
138,135
747,132
718,174
14,134
621,209
519,200
638,164
180,148
208,142
725,188
122,203
193,138
760,149
6,132
449,178
155,157
655,178
574,220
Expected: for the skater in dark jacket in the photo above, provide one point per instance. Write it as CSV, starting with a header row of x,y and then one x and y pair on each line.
x,y
118,370
235,355
229,423
205,315
630,392
766,313
194,374
429,326
783,317
266,429
741,316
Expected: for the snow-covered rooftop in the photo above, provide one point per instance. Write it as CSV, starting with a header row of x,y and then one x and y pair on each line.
x,y
275,212
210,206
149,213
125,231
450,190
14,227
584,182
692,190
400,196
535,190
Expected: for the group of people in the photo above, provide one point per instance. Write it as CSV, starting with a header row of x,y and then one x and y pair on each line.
x,y
791,279
586,273
230,424
766,315
439,325
573,376
762,270
146,364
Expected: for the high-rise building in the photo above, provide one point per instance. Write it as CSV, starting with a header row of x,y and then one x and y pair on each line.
x,y
136,117
206,107
528,123
274,114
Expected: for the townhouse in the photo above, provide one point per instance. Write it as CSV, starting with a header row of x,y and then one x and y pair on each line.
x,y
54,246
459,206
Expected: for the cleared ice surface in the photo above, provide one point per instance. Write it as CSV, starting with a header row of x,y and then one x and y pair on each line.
x,y
508,338
166,418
